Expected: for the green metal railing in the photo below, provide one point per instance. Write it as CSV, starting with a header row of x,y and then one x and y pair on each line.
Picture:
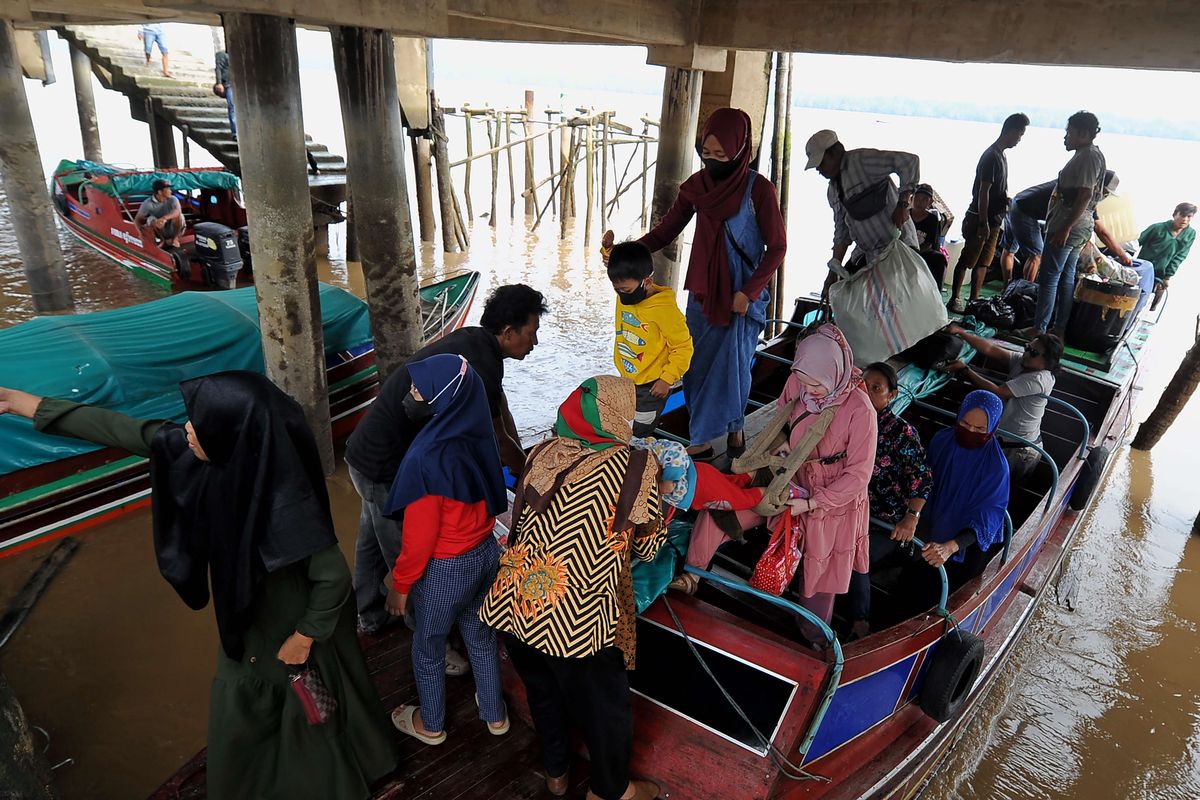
x,y
835,673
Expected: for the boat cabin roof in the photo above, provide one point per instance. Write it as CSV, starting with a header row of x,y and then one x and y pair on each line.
x,y
119,183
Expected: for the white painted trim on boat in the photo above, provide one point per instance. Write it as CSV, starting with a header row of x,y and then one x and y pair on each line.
x,y
34,534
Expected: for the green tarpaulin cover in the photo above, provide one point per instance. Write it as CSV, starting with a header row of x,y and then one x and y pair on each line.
x,y
132,359
122,182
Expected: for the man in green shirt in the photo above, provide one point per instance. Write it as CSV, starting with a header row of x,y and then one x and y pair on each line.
x,y
1166,246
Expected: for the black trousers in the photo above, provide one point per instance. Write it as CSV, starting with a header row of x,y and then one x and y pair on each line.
x,y
594,692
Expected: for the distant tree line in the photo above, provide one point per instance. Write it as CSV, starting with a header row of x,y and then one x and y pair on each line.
x,y
1041,116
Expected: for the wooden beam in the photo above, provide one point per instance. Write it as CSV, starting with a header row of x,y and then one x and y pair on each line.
x,y
16,11
637,21
1150,34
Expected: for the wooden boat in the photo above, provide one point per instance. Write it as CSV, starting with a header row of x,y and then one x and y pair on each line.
x,y
846,721
54,486
98,203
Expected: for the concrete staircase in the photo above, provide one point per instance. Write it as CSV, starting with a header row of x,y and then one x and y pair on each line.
x,y
185,100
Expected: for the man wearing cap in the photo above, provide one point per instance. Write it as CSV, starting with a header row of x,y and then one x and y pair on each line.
x,y
161,215
929,231
985,216
1069,222
868,207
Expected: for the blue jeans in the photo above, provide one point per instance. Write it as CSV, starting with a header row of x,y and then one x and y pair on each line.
x,y
1056,287
1026,233
232,112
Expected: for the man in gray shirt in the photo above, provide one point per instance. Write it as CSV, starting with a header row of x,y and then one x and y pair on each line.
x,y
1030,376
161,215
1069,223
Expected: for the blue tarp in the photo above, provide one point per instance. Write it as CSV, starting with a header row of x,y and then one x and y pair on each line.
x,y
132,359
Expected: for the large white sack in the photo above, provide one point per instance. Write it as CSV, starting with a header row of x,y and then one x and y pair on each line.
x,y
887,306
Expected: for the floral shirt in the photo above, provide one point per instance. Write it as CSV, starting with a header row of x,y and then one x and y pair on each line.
x,y
901,471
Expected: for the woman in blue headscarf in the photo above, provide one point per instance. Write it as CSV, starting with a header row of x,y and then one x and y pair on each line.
x,y
965,511
450,488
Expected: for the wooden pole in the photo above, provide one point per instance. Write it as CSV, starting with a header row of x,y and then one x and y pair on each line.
x,y
784,186
351,230
642,218
423,176
550,152
494,142
442,168
603,169
467,177
530,197
590,189
512,187
1174,398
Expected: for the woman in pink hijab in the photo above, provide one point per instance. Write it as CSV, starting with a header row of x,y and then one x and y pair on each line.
x,y
832,512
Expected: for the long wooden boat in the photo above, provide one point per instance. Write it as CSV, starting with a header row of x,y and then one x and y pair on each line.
x,y
841,721
52,486
98,203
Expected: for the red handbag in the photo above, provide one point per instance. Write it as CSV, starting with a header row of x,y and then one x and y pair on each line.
x,y
779,562
315,698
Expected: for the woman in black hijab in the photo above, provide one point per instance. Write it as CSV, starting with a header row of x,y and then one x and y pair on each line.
x,y
241,512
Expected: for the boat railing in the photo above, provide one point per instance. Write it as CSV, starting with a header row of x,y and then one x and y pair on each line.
x,y
835,671
1075,412
1011,437
941,607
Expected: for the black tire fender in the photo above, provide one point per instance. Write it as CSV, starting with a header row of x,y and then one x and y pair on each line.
x,y
183,265
1089,477
954,666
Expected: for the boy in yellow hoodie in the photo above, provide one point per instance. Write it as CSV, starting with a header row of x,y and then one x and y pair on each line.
x,y
653,346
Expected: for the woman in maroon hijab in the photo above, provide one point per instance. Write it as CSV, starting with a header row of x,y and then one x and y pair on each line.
x,y
739,243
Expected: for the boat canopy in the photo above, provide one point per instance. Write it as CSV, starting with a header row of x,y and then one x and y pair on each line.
x,y
131,360
118,182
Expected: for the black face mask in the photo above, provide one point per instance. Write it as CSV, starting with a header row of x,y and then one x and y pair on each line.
x,y
636,296
416,410
719,170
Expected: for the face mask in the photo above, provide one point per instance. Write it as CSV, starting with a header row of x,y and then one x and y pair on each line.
x,y
416,410
972,440
636,296
719,170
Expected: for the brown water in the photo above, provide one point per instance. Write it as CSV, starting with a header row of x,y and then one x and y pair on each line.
x,y
1096,702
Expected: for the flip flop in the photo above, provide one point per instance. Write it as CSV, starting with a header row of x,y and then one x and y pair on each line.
x,y
402,718
686,583
496,731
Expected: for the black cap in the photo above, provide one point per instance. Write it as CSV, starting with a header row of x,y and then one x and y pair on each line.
x,y
924,188
161,184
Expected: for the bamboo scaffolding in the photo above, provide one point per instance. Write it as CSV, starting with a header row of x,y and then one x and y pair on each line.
x,y
467,116
512,188
494,141
531,198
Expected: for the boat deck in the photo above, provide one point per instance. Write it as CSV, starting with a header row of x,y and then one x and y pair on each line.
x,y
471,765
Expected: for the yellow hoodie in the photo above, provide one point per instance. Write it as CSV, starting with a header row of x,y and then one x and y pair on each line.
x,y
652,340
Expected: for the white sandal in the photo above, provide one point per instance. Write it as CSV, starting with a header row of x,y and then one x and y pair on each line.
x,y
402,718
494,731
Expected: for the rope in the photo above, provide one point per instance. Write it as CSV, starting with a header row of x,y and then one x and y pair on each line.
x,y
786,767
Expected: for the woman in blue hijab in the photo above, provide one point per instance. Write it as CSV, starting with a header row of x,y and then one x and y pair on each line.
x,y
450,488
965,512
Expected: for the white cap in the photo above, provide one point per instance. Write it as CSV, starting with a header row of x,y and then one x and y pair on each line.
x,y
818,143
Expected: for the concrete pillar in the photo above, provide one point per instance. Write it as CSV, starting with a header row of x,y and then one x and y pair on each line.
x,y
266,72
21,168
365,63
164,138
85,103
744,84
676,154
423,177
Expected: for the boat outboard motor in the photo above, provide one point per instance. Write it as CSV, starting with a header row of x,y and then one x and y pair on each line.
x,y
217,250
243,234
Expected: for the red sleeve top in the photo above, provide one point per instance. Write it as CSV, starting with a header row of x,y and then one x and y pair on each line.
x,y
770,226
438,527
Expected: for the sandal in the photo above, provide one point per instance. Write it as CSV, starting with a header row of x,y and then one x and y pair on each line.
x,y
402,719
456,665
705,455
686,583
491,726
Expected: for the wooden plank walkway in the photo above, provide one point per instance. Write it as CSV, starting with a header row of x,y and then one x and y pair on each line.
x,y
471,765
